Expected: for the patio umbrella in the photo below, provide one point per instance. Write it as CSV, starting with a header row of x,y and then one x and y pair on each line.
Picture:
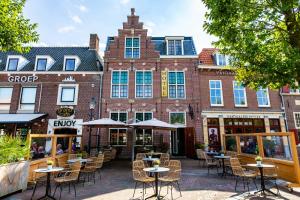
x,y
150,124
104,123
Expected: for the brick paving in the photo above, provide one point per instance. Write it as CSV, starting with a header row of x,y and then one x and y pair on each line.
x,y
196,184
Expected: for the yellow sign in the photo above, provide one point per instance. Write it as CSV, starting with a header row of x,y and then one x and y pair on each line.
x,y
164,83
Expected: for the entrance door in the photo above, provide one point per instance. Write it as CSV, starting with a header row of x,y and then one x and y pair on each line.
x,y
190,142
178,142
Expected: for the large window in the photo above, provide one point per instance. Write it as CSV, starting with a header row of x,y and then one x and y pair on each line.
x,y
132,47
263,97
246,125
119,87
12,64
176,85
221,59
118,136
67,94
143,82
216,94
277,147
27,101
297,119
249,145
177,118
143,136
239,93
5,98
175,47
70,64
41,64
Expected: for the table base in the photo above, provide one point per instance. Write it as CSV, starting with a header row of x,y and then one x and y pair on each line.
x,y
46,197
264,191
157,197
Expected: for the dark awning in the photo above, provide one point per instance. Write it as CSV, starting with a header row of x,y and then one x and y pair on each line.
x,y
19,118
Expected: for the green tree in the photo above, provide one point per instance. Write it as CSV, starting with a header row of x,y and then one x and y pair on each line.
x,y
262,38
15,30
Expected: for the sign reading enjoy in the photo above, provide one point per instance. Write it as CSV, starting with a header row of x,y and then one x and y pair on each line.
x,y
64,123
23,79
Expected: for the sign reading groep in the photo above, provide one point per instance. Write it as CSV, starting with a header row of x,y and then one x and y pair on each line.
x,y
22,79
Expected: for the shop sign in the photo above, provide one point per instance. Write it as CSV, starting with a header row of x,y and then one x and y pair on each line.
x,y
22,79
243,116
65,112
64,123
225,73
164,83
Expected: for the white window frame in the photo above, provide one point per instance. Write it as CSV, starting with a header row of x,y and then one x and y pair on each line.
x,y
22,62
143,112
143,97
295,120
7,103
111,85
184,113
221,88
239,105
177,86
77,62
226,59
123,145
21,97
132,47
60,87
268,95
49,64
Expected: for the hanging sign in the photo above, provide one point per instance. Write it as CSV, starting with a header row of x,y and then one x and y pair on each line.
x,y
164,83
65,112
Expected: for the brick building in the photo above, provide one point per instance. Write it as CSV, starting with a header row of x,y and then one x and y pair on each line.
x,y
48,89
228,107
148,77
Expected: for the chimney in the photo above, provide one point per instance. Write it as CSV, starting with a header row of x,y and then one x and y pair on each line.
x,y
94,42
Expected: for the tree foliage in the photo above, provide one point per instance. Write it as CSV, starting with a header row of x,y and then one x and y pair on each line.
x,y
15,30
262,37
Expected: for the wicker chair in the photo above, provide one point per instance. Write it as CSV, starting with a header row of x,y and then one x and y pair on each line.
x,y
173,176
200,157
72,156
35,179
210,163
89,171
99,163
140,156
69,177
164,159
107,156
140,176
113,154
241,173
270,174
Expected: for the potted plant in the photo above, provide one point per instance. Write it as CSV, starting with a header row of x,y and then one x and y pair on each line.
x,y
222,153
156,164
258,160
49,164
14,167
79,155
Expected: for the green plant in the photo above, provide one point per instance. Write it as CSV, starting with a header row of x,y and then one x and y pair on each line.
x,y
79,155
258,158
50,162
200,146
156,162
12,149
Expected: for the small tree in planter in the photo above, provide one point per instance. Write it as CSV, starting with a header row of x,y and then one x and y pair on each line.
x,y
258,160
13,169
156,163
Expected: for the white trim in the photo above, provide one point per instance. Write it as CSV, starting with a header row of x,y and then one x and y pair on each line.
x,y
174,38
179,113
111,84
221,88
49,64
294,114
241,114
176,85
143,112
264,106
132,47
22,62
77,61
58,102
123,145
6,103
49,72
21,96
135,84
237,105
178,56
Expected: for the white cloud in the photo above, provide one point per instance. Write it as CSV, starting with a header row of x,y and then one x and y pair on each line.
x,y
76,19
150,26
66,29
82,8
124,2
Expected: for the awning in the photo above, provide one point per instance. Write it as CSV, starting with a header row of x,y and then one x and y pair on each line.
x,y
19,118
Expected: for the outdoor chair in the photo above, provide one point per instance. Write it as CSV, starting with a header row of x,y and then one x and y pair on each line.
x,y
72,156
99,163
240,173
113,154
164,159
141,177
200,156
93,153
210,163
35,179
69,177
270,174
89,172
172,177
140,156
107,156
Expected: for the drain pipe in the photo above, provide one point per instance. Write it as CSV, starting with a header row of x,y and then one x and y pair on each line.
x,y
100,110
284,109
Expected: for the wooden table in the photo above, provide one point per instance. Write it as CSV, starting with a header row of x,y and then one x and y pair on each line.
x,y
48,185
156,171
263,188
222,157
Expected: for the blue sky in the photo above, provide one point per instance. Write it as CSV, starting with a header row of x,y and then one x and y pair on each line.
x,y
69,22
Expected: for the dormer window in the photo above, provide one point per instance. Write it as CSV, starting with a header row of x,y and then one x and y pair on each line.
x,y
70,64
221,59
12,64
132,47
41,64
175,47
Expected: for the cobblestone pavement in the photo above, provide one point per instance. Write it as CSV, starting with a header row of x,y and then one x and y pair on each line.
x,y
196,184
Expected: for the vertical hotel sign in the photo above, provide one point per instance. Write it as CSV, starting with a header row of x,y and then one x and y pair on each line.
x,y
164,83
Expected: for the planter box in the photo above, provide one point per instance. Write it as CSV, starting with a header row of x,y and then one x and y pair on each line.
x,y
13,177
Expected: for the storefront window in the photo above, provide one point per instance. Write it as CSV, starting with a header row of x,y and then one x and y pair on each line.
x,y
230,143
40,148
249,145
118,136
277,147
275,125
239,125
143,136
178,118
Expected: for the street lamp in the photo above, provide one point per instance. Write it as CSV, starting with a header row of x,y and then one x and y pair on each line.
x,y
91,117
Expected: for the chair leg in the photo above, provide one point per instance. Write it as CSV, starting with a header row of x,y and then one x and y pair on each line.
x,y
248,185
236,182
69,188
33,190
55,189
255,184
143,190
159,188
171,191
179,188
276,187
74,186
134,189
60,186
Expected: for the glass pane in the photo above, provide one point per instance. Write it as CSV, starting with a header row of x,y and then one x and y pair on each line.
x,y
172,91
180,78
148,91
139,91
249,145
67,94
148,116
171,47
230,143
28,95
27,106
113,136
13,64
114,116
5,94
115,77
124,78
136,42
178,47
177,118
123,91
123,117
139,137
172,78
180,91
139,117
128,42
135,53
148,137
40,148
147,78
41,64
122,136
128,53
139,78
70,65
115,91
213,121
277,147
